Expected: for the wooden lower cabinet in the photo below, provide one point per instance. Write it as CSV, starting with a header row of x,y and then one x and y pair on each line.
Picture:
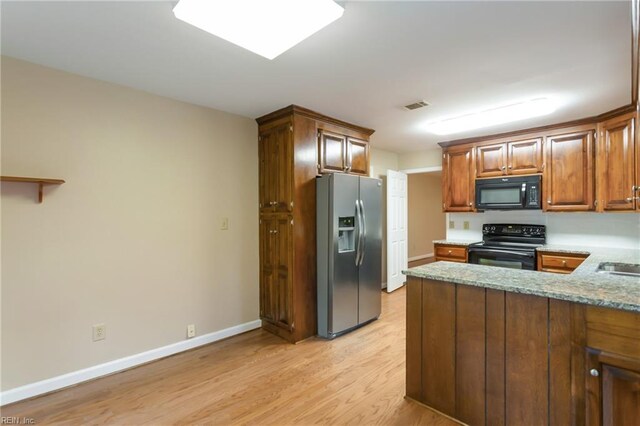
x,y
560,263
451,253
492,357
612,370
276,264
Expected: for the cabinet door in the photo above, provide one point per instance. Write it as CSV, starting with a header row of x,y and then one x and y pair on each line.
x,y
266,172
613,390
276,169
568,176
358,156
458,180
268,306
332,152
283,232
491,160
615,165
524,157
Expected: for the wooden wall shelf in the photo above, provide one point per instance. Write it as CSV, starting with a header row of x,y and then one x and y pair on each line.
x,y
41,182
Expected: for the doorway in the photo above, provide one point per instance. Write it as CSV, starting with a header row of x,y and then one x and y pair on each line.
x,y
426,221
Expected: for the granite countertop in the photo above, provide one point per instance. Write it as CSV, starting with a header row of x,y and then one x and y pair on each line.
x,y
583,285
464,243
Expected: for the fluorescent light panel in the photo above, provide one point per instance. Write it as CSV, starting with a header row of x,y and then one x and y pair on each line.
x,y
265,27
491,117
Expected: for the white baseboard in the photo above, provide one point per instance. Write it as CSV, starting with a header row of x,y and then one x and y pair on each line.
x,y
422,256
75,377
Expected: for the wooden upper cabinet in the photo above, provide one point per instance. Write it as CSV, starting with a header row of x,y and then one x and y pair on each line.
x,y
524,157
276,169
458,180
569,177
332,152
343,154
509,158
358,156
615,165
492,160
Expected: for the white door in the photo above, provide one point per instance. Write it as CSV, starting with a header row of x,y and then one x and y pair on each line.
x,y
396,229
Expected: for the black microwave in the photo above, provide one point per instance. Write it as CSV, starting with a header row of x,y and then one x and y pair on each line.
x,y
509,193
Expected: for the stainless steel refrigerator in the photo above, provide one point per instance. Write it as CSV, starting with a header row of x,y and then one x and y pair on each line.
x,y
349,239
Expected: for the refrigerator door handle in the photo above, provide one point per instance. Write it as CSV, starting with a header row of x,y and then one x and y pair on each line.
x,y
363,233
359,237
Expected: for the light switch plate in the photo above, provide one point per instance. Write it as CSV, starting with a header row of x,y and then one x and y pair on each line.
x,y
465,224
225,224
452,224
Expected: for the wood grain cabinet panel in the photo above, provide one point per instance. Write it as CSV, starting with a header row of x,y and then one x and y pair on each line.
x,y
509,158
569,175
276,260
332,150
491,160
358,156
613,389
451,253
561,263
268,267
276,169
458,180
615,165
524,157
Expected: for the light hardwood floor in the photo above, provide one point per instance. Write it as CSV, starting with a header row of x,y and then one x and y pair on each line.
x,y
255,378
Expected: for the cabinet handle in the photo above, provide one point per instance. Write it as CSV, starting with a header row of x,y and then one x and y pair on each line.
x,y
594,372
470,204
510,166
503,168
450,252
564,263
549,201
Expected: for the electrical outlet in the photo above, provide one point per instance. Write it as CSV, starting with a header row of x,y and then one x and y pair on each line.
x,y
225,224
191,331
452,224
99,332
465,224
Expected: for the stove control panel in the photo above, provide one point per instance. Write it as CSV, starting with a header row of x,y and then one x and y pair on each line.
x,y
493,229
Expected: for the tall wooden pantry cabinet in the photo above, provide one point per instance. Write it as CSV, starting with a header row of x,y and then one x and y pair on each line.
x,y
295,145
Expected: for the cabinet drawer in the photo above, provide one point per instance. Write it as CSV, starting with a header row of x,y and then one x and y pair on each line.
x,y
561,263
452,253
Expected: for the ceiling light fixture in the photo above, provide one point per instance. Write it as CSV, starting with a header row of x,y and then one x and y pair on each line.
x,y
267,28
491,117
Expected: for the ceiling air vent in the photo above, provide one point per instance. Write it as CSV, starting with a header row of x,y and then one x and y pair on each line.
x,y
416,105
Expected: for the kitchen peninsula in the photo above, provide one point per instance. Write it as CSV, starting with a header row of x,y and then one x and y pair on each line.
x,y
490,345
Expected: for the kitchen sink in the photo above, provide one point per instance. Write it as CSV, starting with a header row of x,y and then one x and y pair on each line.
x,y
619,268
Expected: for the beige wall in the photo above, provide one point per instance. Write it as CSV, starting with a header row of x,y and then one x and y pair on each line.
x,y
381,161
420,159
426,220
133,238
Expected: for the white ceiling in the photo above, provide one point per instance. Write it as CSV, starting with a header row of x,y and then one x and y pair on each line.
x,y
459,56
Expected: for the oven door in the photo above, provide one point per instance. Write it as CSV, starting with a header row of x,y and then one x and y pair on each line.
x,y
504,258
492,195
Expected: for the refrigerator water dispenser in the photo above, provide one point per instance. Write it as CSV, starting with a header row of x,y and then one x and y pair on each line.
x,y
346,234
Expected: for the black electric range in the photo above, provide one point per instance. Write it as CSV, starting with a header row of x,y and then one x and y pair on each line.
x,y
508,245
